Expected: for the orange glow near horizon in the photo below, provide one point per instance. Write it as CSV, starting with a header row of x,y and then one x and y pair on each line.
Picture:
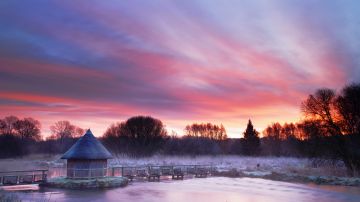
x,y
180,62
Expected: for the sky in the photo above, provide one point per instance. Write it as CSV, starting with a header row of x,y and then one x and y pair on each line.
x,y
95,63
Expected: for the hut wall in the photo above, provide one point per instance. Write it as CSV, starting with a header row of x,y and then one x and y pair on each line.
x,y
80,168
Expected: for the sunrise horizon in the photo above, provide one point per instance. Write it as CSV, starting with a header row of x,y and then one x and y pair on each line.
x,y
179,101
181,62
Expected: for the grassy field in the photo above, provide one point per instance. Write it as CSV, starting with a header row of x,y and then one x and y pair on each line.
x,y
302,166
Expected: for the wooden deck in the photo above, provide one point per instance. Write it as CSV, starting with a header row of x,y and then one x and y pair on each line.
x,y
150,173
22,177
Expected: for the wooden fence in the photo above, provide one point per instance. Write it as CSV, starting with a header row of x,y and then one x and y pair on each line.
x,y
23,177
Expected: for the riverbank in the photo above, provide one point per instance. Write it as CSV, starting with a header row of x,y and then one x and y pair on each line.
x,y
286,169
301,170
288,177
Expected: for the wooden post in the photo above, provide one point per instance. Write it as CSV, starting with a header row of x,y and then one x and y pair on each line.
x,y
43,176
122,171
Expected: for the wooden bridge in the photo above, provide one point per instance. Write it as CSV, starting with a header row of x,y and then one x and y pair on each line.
x,y
149,172
22,177
153,173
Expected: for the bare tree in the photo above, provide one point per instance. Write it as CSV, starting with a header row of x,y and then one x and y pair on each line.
x,y
322,107
62,129
348,108
78,132
28,128
9,122
2,126
206,130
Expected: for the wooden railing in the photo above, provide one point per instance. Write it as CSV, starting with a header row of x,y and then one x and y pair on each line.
x,y
23,177
154,171
151,172
76,173
146,171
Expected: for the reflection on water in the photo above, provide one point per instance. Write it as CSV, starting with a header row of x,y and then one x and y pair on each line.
x,y
204,190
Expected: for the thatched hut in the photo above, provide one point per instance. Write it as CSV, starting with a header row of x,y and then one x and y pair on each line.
x,y
87,158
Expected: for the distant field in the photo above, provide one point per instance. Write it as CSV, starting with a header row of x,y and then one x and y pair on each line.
x,y
303,166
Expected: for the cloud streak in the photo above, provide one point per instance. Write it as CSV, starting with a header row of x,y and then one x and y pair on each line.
x,y
97,62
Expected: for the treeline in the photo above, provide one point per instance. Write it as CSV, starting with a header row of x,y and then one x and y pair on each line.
x,y
16,135
20,137
330,128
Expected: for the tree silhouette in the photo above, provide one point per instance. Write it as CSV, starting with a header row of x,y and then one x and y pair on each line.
x,y
348,107
27,128
8,125
206,130
64,130
140,135
251,143
338,116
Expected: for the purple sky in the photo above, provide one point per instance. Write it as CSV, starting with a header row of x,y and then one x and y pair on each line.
x,y
97,62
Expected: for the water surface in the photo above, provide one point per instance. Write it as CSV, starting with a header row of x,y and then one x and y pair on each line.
x,y
205,190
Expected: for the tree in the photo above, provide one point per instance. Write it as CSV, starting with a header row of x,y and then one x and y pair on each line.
x,y
18,135
314,142
63,130
8,125
206,130
331,113
2,126
251,143
272,139
320,107
27,128
274,131
78,132
143,135
288,130
348,108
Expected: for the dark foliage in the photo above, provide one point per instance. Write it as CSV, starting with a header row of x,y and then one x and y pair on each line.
x,y
251,142
337,116
11,146
330,129
17,136
139,135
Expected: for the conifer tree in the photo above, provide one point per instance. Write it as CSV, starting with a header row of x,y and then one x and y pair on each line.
x,y
251,142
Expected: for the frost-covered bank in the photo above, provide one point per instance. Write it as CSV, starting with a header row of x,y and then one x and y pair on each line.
x,y
225,163
276,168
303,170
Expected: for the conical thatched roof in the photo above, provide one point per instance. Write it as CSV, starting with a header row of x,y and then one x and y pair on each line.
x,y
87,147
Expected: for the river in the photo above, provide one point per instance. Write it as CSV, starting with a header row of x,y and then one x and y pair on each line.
x,y
215,189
